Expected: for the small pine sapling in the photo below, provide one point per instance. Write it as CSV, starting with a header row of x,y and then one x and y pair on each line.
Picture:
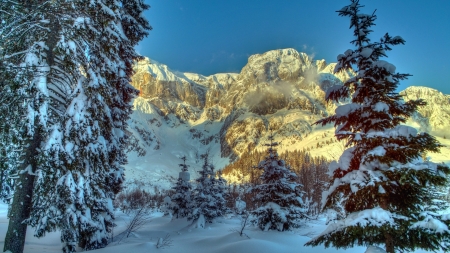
x,y
279,194
181,199
209,195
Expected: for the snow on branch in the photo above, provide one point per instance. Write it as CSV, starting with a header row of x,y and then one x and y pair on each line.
x,y
375,217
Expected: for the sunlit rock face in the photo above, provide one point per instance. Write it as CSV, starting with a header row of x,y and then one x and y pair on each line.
x,y
282,91
434,117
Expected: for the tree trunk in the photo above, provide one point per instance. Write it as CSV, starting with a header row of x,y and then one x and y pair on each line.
x,y
389,243
21,204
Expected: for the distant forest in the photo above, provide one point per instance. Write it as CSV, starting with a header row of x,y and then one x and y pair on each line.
x,y
311,171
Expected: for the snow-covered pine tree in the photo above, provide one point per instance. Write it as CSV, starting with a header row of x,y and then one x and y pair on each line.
x,y
27,42
181,199
209,195
119,26
388,189
219,191
93,59
279,194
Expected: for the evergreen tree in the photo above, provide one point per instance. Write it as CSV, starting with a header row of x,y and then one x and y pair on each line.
x,y
73,60
279,194
27,43
389,192
209,195
181,199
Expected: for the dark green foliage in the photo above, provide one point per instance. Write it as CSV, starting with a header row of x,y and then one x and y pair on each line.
x,y
11,136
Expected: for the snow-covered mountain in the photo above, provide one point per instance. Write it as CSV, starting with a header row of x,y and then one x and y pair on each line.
x,y
433,117
227,114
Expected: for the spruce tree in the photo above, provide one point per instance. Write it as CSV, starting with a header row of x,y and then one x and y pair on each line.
x,y
27,42
278,193
73,61
209,195
181,199
389,192
93,128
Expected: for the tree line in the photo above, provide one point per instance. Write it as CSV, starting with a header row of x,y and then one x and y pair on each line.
x,y
311,174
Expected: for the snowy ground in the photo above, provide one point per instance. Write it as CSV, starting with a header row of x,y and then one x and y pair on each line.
x,y
218,237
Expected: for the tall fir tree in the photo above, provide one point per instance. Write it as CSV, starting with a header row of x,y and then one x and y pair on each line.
x,y
389,192
94,129
73,60
278,193
181,199
27,43
209,194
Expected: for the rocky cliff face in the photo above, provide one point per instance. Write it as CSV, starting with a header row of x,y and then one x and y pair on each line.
x,y
187,114
280,91
433,117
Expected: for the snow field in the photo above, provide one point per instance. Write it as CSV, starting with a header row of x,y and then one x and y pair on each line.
x,y
218,237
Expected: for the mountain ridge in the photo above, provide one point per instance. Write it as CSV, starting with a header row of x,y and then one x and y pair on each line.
x,y
280,91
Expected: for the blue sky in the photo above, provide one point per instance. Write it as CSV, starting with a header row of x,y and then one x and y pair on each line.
x,y
213,36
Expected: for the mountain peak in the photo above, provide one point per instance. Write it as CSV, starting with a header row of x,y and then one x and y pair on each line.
x,y
427,91
279,54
